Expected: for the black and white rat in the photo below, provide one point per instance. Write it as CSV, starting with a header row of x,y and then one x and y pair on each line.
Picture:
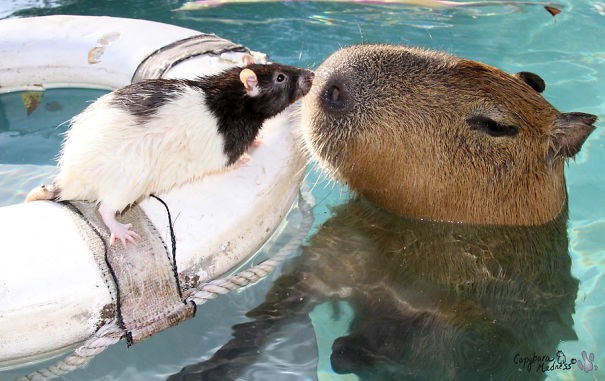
x,y
154,135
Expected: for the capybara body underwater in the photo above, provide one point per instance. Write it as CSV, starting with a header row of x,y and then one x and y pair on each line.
x,y
452,254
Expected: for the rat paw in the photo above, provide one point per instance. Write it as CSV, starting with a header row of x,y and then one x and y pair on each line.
x,y
243,161
258,141
123,233
117,230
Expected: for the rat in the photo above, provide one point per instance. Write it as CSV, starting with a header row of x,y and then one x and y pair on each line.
x,y
151,136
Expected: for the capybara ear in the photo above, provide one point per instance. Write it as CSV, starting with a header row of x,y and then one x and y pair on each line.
x,y
569,132
532,79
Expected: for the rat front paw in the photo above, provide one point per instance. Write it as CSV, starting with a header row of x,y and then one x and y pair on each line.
x,y
258,141
243,161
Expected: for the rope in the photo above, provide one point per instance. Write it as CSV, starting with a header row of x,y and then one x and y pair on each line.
x,y
175,270
207,291
111,333
107,335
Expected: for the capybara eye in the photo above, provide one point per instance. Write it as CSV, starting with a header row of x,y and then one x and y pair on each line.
x,y
491,127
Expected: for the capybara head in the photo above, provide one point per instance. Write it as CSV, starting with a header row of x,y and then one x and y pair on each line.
x,y
434,136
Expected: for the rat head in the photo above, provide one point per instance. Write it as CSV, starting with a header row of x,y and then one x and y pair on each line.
x,y
273,87
434,136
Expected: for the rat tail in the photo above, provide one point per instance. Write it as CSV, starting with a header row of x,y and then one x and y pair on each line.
x,y
43,192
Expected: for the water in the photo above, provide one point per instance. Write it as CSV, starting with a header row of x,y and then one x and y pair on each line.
x,y
567,51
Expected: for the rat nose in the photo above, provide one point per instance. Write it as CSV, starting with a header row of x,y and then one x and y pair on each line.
x,y
305,81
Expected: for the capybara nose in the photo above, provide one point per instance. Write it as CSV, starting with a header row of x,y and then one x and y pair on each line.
x,y
334,96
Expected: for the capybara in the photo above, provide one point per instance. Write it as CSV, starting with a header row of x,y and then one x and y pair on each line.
x,y
453,257
433,136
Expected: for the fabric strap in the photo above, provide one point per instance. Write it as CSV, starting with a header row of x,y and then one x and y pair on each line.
x,y
140,278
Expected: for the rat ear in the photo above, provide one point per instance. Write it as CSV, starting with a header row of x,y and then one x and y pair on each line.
x,y
533,80
248,78
570,131
247,59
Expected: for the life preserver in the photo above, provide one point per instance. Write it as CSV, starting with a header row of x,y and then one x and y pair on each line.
x,y
51,292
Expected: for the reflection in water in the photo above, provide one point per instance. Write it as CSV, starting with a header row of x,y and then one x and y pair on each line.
x,y
431,301
32,123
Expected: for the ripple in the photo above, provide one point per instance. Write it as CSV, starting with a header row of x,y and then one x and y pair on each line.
x,y
17,180
7,8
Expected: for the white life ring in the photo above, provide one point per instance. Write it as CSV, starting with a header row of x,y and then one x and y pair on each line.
x,y
51,291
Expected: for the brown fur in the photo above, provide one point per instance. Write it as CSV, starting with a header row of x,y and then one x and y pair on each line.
x,y
402,140
430,300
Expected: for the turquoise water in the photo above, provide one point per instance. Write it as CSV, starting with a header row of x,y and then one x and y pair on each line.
x,y
567,51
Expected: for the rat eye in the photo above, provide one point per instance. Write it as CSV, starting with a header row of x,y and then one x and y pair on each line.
x,y
280,78
491,127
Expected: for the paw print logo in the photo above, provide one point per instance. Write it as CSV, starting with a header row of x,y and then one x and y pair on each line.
x,y
587,362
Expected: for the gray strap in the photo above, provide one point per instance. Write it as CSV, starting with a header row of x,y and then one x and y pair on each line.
x,y
142,281
158,62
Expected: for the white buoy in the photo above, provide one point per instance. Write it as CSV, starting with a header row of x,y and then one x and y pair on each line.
x,y
51,290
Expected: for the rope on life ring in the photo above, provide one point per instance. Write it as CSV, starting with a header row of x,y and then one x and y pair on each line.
x,y
111,333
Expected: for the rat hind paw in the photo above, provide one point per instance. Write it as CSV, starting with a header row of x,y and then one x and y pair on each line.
x,y
117,230
123,233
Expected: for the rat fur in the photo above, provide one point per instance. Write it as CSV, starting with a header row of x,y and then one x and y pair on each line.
x,y
154,135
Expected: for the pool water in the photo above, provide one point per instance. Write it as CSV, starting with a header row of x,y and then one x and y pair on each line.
x,y
566,50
